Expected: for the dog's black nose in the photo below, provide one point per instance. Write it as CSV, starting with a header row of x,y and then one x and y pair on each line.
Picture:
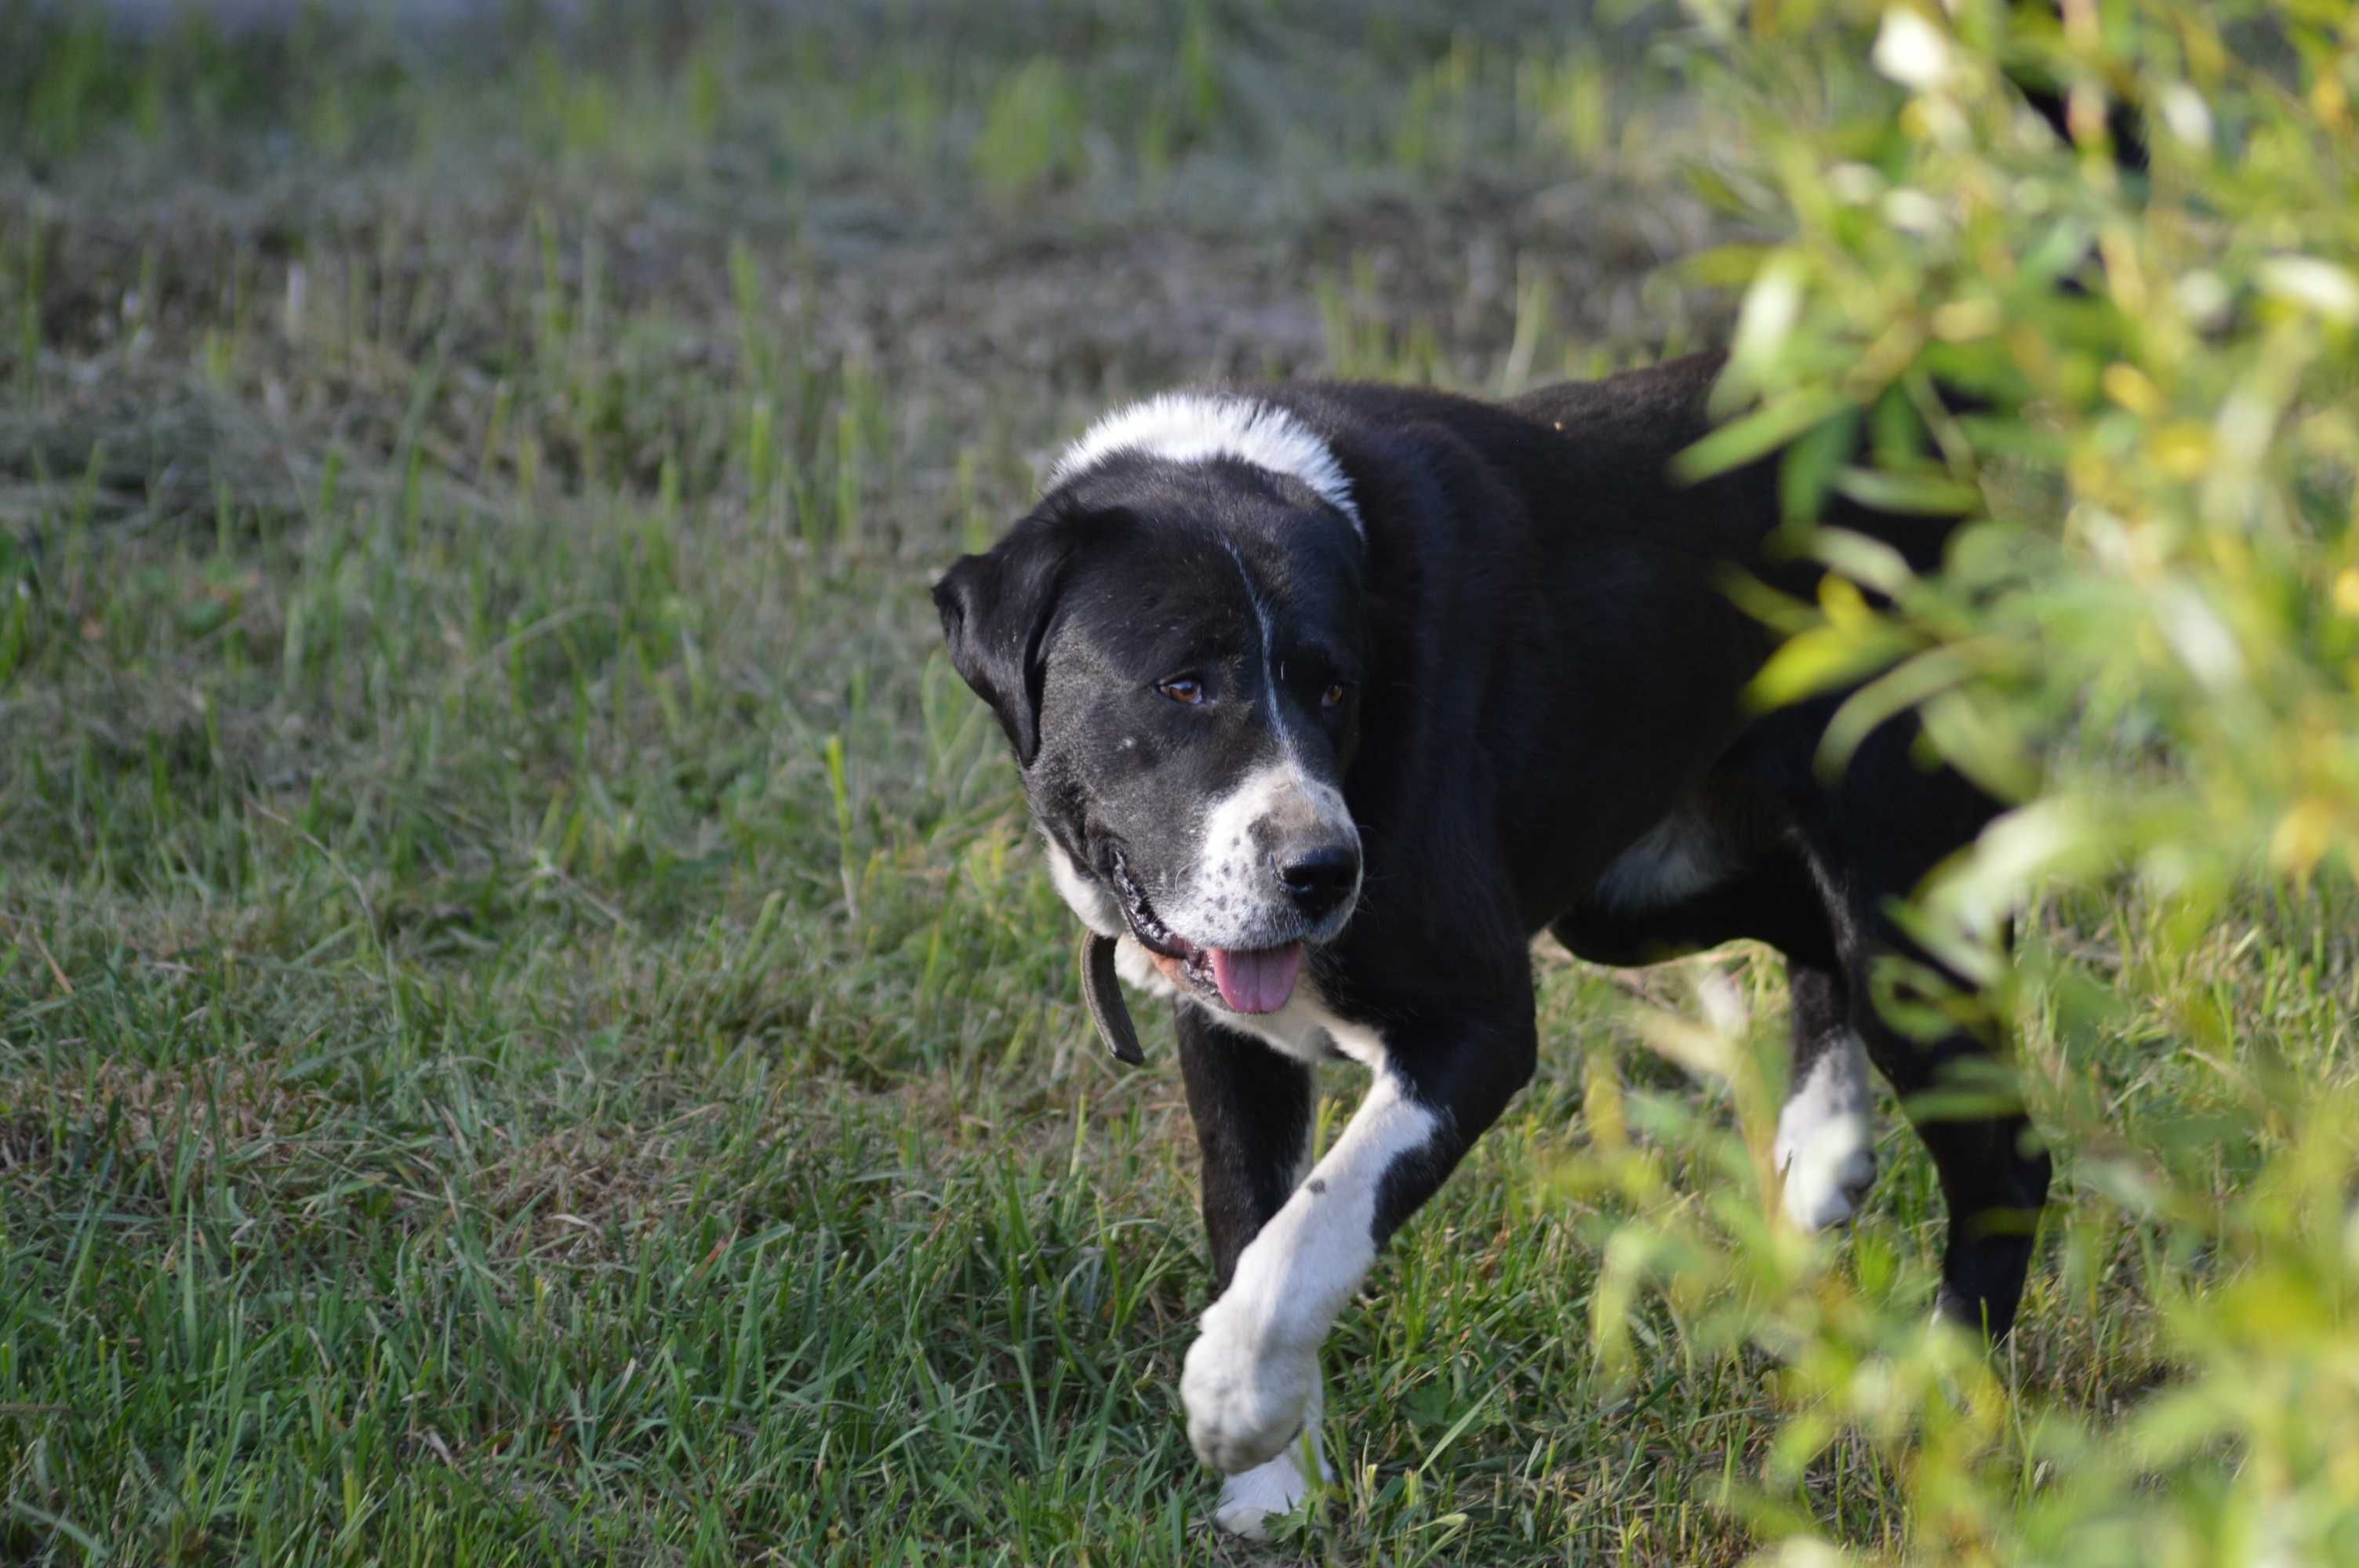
x,y
1319,877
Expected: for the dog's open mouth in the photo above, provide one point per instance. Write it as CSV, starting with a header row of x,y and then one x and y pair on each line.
x,y
1246,980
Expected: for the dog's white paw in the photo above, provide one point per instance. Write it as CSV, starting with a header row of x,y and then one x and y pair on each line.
x,y
1246,1401
1829,1163
1250,1500
1826,1141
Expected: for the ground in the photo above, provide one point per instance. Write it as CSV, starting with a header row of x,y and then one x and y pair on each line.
x,y
530,1028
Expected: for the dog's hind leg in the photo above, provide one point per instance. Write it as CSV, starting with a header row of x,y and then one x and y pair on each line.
x,y
1252,1108
1882,827
1825,1152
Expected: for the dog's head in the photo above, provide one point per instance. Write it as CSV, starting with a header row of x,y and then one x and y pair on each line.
x,y
1173,642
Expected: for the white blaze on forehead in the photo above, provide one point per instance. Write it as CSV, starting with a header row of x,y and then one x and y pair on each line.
x,y
1199,427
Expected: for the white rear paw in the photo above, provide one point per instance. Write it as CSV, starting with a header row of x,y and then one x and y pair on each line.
x,y
1829,1164
1245,1402
1250,1500
1826,1141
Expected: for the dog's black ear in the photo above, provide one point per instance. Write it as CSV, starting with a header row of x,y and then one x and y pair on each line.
x,y
996,610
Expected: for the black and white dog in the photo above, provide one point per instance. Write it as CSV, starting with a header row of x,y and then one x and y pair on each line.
x,y
1329,698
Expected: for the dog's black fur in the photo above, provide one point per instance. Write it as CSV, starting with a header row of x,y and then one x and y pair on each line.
x,y
1544,728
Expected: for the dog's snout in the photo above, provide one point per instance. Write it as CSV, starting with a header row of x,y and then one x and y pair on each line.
x,y
1317,876
1281,864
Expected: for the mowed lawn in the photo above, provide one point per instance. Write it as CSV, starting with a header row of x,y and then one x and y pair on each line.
x,y
531,1029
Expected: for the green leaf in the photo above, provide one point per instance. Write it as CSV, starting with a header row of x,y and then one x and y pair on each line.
x,y
1757,434
1824,657
1915,494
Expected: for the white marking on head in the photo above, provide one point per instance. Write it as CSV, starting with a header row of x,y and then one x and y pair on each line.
x,y
1826,1138
1252,1376
1199,426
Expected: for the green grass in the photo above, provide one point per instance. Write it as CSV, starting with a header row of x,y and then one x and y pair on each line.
x,y
530,1028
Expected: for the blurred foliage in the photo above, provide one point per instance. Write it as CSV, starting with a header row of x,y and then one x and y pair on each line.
x,y
2128,351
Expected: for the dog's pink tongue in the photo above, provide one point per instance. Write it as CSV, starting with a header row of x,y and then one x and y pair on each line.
x,y
1256,980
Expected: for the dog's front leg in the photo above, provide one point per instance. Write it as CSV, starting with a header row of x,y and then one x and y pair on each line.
x,y
1253,1373
1252,1107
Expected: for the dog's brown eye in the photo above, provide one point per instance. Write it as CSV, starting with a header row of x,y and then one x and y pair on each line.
x,y
1334,694
1183,688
